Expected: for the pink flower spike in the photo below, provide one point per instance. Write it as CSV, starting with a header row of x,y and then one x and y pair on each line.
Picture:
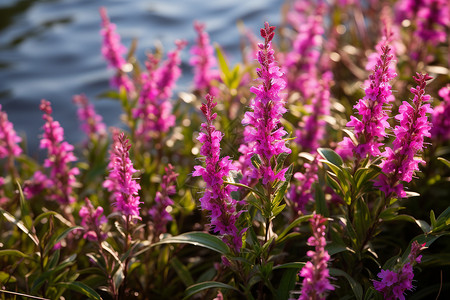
x,y
401,161
264,133
8,137
92,123
159,213
217,197
120,180
315,272
204,62
61,181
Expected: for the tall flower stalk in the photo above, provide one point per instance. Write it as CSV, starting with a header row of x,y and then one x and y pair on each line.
x,y
112,51
371,129
159,213
92,123
316,278
61,181
400,161
217,197
9,140
264,132
120,180
204,62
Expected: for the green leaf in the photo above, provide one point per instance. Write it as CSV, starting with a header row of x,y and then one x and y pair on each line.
x,y
287,283
335,248
182,271
20,225
443,220
321,204
80,288
356,287
291,265
294,223
43,216
426,239
361,218
198,287
24,209
58,239
331,156
282,190
443,160
15,253
201,239
111,94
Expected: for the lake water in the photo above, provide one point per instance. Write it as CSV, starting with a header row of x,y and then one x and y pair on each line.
x,y
51,49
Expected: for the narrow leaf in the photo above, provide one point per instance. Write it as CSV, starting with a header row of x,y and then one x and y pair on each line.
x,y
80,288
201,239
196,288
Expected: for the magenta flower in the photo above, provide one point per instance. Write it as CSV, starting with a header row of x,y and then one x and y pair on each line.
x,y
301,193
8,137
170,71
312,128
433,21
400,162
393,284
120,180
440,130
371,129
147,111
265,134
316,283
301,64
159,213
112,51
61,181
217,197
204,62
92,123
92,219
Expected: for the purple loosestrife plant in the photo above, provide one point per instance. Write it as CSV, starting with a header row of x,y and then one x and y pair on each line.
x,y
440,130
301,193
159,213
264,133
92,219
9,140
147,107
393,284
120,180
400,162
204,62
316,278
371,129
217,197
433,21
112,51
312,130
92,123
61,181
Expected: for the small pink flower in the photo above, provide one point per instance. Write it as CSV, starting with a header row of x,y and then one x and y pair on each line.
x,y
92,219
8,137
92,123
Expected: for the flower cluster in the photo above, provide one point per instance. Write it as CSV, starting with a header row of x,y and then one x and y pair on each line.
x,y
217,198
8,137
265,133
92,123
120,180
400,161
393,284
371,129
312,129
92,219
204,62
62,179
316,283
112,51
433,21
301,64
302,192
159,213
170,71
440,130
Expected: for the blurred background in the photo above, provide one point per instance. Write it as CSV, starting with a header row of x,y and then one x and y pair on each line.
x,y
51,49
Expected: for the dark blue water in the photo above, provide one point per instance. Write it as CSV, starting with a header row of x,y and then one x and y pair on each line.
x,y
51,49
